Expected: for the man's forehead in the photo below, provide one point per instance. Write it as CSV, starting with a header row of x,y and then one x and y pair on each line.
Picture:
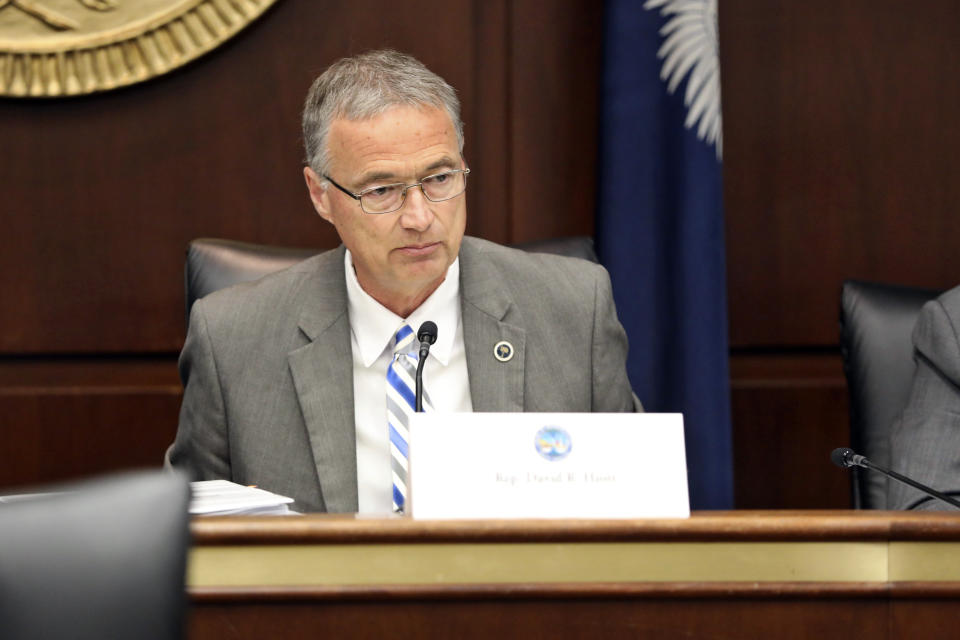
x,y
421,135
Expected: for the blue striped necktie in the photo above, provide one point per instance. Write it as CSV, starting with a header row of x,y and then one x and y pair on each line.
x,y
401,404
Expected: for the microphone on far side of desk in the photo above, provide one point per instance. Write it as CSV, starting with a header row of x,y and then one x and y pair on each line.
x,y
846,458
427,335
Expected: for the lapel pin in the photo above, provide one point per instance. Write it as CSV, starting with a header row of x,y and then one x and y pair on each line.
x,y
503,351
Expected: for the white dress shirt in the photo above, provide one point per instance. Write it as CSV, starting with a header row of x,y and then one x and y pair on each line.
x,y
372,329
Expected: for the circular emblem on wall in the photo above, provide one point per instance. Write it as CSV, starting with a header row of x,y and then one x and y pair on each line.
x,y
553,443
52,48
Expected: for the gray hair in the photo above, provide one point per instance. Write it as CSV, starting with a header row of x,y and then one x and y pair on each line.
x,y
365,86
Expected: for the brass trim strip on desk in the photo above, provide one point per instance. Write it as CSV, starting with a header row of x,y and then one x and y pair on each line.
x,y
545,562
924,561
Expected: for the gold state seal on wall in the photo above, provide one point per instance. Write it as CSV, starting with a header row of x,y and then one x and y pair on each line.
x,y
68,47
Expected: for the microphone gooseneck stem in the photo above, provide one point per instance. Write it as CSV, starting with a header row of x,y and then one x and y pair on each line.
x,y
422,360
427,335
913,483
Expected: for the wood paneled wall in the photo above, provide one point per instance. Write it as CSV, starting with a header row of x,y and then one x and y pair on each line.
x,y
840,161
101,194
840,138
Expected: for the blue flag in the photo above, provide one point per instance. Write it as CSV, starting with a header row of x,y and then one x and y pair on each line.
x,y
660,221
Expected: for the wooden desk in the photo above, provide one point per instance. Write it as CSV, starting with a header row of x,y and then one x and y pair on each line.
x,y
717,575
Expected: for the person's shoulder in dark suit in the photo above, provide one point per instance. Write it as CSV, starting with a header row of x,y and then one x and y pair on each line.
x,y
925,443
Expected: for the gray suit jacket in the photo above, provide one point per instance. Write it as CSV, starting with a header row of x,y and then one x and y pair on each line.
x,y
268,371
925,443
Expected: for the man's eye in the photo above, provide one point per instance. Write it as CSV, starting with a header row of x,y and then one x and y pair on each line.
x,y
380,192
440,179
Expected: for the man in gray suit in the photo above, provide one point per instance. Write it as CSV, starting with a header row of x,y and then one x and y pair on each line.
x,y
285,377
925,443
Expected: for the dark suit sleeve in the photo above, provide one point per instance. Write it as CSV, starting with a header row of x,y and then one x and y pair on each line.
x,y
611,387
201,445
925,443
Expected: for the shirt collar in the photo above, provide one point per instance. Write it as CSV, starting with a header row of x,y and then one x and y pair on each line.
x,y
373,325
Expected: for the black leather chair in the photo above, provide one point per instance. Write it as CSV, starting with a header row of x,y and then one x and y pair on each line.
x,y
213,263
102,560
876,323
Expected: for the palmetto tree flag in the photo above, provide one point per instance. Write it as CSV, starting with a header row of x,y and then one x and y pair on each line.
x,y
660,221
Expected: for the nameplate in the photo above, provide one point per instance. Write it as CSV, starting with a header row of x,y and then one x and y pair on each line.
x,y
547,465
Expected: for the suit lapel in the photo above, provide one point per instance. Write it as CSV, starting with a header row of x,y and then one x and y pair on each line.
x,y
323,376
495,386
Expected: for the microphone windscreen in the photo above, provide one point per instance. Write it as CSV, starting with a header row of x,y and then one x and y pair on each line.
x,y
842,457
427,332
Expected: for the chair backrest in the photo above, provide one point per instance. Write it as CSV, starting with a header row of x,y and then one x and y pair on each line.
x,y
101,560
876,323
213,263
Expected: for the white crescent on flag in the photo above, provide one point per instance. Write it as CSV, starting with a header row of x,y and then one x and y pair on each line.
x,y
691,49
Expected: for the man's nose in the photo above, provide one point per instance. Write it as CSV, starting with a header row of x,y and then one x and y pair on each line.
x,y
416,213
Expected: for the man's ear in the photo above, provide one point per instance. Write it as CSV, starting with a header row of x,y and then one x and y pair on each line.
x,y
319,196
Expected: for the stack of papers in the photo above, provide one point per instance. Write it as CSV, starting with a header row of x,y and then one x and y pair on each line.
x,y
222,497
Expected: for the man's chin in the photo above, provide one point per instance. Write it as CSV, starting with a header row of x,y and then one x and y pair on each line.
x,y
423,273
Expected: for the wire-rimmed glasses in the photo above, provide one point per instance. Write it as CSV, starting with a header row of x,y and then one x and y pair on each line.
x,y
387,198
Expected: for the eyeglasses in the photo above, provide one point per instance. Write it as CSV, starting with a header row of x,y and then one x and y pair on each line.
x,y
388,198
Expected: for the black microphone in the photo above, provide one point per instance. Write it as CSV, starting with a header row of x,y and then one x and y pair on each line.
x,y
427,335
846,458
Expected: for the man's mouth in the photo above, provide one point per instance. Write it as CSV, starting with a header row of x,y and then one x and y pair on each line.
x,y
421,249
